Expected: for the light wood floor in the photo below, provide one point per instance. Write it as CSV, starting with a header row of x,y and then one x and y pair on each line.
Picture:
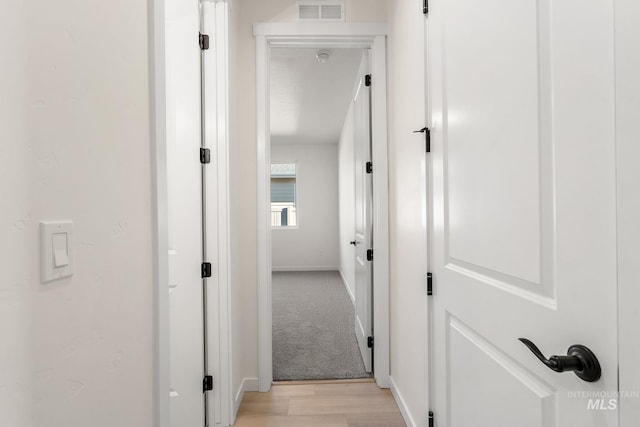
x,y
351,403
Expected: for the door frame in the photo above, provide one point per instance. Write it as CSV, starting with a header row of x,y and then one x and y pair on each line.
x,y
355,35
219,337
627,63
216,14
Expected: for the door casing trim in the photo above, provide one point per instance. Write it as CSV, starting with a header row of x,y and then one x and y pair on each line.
x,y
220,337
360,35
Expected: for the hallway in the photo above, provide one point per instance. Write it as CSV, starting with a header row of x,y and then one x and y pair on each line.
x,y
136,235
347,403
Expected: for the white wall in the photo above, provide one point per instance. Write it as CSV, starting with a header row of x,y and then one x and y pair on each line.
x,y
406,82
17,231
347,202
243,167
313,243
75,145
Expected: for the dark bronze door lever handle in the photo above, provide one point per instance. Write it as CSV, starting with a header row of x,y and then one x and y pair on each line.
x,y
579,359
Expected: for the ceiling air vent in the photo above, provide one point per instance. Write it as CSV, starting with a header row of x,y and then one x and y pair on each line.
x,y
308,11
320,10
331,11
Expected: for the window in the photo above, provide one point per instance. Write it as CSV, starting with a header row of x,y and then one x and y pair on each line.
x,y
284,211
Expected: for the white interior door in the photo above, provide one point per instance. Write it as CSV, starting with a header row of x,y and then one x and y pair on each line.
x,y
363,223
523,209
184,206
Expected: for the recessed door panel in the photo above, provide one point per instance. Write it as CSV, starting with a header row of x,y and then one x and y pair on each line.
x,y
496,137
483,379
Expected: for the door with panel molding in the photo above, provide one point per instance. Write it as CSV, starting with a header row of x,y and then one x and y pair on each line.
x,y
523,220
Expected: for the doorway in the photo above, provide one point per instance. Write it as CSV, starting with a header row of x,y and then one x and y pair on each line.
x,y
319,115
318,37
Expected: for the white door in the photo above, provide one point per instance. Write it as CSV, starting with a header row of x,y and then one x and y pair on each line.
x,y
184,208
523,236
363,195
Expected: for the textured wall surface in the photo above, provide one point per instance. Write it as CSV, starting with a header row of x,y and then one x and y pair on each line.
x,y
16,218
75,146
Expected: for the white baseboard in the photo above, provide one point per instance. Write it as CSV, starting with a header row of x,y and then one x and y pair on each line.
x,y
248,384
346,285
306,268
402,404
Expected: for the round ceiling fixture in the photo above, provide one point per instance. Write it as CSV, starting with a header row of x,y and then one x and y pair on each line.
x,y
323,56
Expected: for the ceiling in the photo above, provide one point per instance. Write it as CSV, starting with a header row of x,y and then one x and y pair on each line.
x,y
310,99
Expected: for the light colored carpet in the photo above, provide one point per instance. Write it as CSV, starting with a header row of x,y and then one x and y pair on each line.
x,y
313,328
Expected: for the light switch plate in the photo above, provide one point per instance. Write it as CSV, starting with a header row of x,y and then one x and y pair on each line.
x,y
56,250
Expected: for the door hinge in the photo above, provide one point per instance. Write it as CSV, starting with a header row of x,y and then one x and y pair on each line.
x,y
205,269
425,6
205,156
429,284
367,80
430,418
369,254
203,41
427,137
369,167
370,342
207,383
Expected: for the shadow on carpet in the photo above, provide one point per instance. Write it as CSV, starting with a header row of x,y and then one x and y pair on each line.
x,y
313,328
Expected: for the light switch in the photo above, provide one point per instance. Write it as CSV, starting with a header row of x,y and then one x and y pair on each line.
x,y
60,251
56,250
